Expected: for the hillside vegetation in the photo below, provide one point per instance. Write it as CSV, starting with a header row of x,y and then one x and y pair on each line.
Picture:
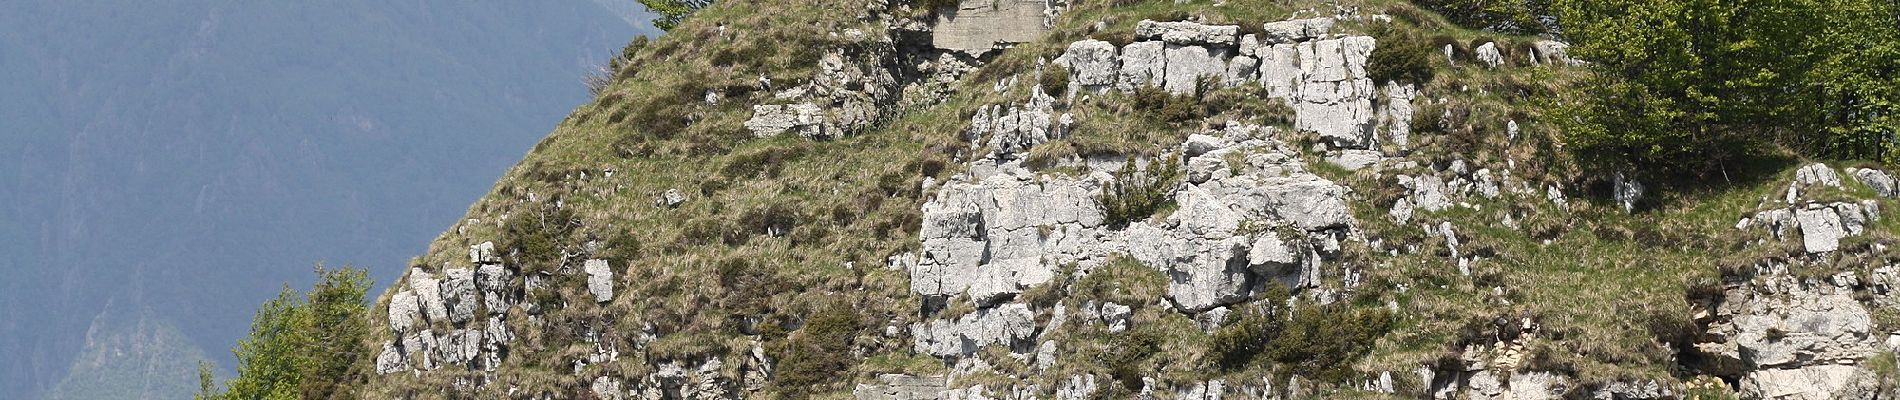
x,y
1431,202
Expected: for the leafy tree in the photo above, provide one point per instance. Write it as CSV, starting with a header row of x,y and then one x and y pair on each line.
x,y
1688,86
303,346
1508,16
673,11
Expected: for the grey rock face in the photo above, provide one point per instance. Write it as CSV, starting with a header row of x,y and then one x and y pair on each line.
x,y
1280,69
606,388
1142,64
902,387
1298,30
976,27
1009,324
428,292
600,280
403,311
1821,229
1335,95
1093,64
1396,117
390,359
1116,316
1488,54
1818,382
458,293
773,119
483,253
494,281
1187,33
1188,66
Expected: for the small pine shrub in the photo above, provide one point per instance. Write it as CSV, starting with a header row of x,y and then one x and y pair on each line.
x,y
1402,55
1136,195
535,236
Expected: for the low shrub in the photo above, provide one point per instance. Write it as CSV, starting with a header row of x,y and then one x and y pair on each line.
x,y
1136,195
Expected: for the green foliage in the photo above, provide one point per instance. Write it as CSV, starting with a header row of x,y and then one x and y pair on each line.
x,y
1167,107
535,235
673,11
1509,16
1128,354
1692,85
1402,55
1321,341
816,355
1054,80
1135,194
303,347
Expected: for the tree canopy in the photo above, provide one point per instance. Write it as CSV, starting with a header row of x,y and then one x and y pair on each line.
x,y
303,346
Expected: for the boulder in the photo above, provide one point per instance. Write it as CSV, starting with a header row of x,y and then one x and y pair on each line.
x,y
1489,55
1354,160
1821,230
483,253
1883,185
1198,144
391,359
606,388
1298,30
1092,64
1395,119
1116,316
1554,53
1820,382
901,387
773,119
403,310
600,280
1188,33
1626,192
1817,174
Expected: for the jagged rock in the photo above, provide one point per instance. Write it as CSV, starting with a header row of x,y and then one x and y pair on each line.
x,y
773,119
483,253
1298,30
1335,95
1077,387
429,293
1003,279
403,311
1523,385
1187,33
1210,390
1428,192
1187,66
1280,69
1643,390
1818,382
1046,355
976,27
1488,54
1626,192
1116,316
1883,184
459,346
458,293
606,388
1092,64
1008,324
902,387
494,279
1821,230
1396,118
1816,174
1198,144
1142,64
600,280
391,359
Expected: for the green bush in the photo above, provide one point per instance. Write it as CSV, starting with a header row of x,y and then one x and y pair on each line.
x,y
817,355
1402,55
1054,80
673,11
1167,107
1127,356
1135,194
1508,16
535,235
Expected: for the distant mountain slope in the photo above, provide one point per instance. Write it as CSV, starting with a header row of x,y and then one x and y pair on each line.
x,y
188,158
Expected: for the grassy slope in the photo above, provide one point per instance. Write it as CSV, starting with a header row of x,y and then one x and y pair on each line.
x,y
1606,287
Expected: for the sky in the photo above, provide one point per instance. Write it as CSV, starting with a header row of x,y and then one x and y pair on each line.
x,y
166,166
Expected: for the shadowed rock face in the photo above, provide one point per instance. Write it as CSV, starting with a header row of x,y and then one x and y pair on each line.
x,y
977,26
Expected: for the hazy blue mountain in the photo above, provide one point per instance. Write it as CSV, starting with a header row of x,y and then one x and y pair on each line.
x,y
181,161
